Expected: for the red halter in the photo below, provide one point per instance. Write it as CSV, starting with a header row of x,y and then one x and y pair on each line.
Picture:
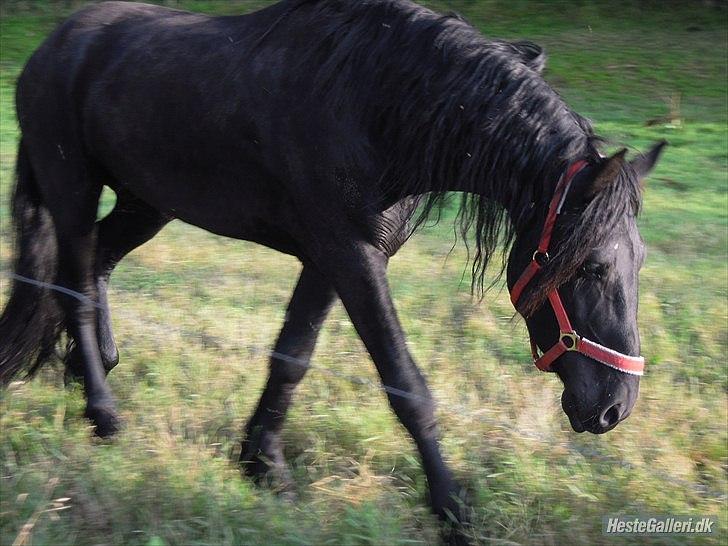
x,y
569,340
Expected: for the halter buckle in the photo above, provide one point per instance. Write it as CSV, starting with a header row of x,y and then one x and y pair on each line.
x,y
570,340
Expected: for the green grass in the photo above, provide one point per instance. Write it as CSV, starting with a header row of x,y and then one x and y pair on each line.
x,y
194,315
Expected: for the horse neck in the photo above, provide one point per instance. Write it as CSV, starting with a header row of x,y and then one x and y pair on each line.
x,y
503,135
510,176
449,110
515,175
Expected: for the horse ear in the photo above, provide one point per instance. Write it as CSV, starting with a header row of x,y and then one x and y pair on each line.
x,y
608,173
532,55
644,164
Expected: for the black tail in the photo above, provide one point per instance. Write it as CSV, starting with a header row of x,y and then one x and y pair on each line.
x,y
32,320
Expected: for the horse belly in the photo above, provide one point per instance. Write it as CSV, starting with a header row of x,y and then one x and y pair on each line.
x,y
245,204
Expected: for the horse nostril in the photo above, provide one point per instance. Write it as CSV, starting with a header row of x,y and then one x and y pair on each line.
x,y
610,416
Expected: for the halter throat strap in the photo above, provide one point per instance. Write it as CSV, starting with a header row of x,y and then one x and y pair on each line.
x,y
569,340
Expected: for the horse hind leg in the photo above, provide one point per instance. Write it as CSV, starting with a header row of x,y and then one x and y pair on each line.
x,y
72,192
262,453
130,224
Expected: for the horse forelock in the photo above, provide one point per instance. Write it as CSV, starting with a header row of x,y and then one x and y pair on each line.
x,y
579,233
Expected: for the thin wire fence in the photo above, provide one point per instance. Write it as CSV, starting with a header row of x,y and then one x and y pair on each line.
x,y
589,453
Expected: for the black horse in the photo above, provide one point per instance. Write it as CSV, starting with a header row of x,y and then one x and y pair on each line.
x,y
328,130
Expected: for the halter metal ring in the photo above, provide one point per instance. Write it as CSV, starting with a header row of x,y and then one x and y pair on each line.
x,y
541,258
570,340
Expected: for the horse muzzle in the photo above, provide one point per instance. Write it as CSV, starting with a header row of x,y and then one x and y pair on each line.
x,y
597,418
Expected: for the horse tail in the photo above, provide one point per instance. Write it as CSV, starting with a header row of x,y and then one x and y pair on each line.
x,y
32,320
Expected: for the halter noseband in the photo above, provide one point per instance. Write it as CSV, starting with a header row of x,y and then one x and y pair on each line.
x,y
569,340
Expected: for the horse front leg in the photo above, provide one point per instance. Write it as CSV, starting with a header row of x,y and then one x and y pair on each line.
x,y
262,452
360,279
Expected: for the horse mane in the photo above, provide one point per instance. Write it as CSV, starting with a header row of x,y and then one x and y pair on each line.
x,y
456,110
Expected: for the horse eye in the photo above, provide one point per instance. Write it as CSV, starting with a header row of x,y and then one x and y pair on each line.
x,y
592,270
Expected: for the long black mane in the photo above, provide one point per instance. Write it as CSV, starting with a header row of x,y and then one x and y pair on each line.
x,y
455,109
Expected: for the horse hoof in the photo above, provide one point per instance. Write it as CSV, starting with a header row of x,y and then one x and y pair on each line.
x,y
455,513
269,468
106,421
272,475
288,496
456,538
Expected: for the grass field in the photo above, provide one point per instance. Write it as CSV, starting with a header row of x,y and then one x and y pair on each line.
x,y
194,315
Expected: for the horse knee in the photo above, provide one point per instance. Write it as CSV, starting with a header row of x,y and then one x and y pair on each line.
x,y
287,374
416,411
288,382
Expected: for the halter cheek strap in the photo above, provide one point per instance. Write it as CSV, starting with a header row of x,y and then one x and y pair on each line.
x,y
569,340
